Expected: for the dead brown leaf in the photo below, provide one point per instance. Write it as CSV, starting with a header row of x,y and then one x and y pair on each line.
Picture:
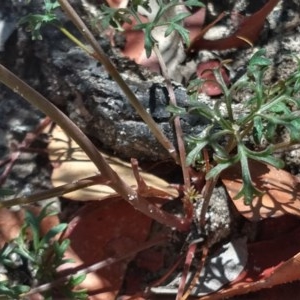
x,y
205,71
102,230
282,191
70,164
247,32
272,262
11,222
117,3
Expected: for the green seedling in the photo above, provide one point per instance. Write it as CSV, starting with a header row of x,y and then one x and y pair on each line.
x,y
233,135
42,254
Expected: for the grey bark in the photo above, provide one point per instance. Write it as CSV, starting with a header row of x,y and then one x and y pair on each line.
x,y
103,112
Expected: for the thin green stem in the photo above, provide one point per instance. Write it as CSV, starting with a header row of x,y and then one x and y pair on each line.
x,y
75,40
226,92
136,16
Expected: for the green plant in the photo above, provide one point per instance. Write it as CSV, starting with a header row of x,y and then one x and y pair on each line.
x,y
36,21
107,174
231,135
268,109
113,179
37,259
116,18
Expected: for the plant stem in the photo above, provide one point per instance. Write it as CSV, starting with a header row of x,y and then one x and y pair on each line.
x,y
96,266
178,129
113,179
75,40
54,192
113,72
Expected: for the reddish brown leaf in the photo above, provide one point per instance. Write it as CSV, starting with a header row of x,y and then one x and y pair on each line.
x,y
279,292
169,46
248,30
102,230
150,259
12,221
194,23
117,3
204,71
281,191
10,224
135,49
271,228
270,263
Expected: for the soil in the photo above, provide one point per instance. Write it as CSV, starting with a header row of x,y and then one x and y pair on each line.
x,y
80,87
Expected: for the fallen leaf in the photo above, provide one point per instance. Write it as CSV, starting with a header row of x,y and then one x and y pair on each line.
x,y
171,47
278,292
271,228
151,260
117,3
10,224
211,86
270,263
134,46
194,22
12,221
102,230
221,267
71,164
281,191
247,32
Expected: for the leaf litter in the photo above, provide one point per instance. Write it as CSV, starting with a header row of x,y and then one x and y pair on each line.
x,y
280,197
103,229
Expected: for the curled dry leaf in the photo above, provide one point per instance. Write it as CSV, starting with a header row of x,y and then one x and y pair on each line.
x,y
70,164
281,191
204,71
247,32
